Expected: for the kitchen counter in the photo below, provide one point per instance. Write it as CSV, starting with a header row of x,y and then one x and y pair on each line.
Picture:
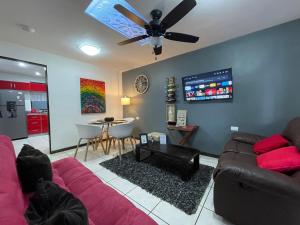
x,y
36,114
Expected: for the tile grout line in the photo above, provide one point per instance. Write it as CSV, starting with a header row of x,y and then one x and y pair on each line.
x,y
138,204
109,180
151,212
198,215
155,207
208,209
203,205
207,196
118,189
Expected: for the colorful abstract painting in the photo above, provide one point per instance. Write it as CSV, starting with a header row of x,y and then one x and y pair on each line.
x,y
92,93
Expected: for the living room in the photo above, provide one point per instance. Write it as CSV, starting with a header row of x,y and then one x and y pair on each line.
x,y
195,121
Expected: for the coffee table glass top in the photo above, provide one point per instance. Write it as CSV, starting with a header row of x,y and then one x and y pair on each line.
x,y
176,151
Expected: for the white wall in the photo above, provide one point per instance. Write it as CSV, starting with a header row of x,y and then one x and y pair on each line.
x,y
21,78
64,90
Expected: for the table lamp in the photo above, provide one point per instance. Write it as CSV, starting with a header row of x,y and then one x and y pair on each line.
x,y
125,100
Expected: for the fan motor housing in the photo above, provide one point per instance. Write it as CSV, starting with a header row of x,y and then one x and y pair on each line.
x,y
155,29
156,14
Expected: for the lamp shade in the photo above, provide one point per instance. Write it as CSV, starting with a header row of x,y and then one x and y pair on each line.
x,y
125,100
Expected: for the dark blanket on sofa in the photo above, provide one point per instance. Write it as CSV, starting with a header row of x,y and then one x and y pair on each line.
x,y
52,205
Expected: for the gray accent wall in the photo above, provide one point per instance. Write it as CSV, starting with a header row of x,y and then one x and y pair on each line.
x,y
266,79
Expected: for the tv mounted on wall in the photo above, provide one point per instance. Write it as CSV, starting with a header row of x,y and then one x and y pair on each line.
x,y
216,85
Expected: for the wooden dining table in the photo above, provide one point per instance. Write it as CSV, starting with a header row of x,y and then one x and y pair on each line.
x,y
105,127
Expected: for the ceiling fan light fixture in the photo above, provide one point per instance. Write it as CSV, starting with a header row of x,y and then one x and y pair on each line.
x,y
156,41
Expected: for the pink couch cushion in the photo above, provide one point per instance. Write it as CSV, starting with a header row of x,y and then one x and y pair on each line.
x,y
11,196
270,143
282,160
105,205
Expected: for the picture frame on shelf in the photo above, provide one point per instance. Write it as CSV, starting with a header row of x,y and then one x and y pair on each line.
x,y
143,139
181,118
163,139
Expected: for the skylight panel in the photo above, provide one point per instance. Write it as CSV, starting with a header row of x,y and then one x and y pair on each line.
x,y
104,12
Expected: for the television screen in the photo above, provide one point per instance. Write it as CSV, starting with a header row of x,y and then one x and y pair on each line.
x,y
208,86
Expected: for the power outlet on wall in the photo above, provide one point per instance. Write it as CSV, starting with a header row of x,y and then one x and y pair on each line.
x,y
234,128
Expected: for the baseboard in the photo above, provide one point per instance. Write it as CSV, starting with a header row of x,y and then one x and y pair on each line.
x,y
75,146
69,148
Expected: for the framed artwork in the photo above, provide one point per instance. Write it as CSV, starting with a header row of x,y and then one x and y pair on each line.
x,y
181,118
92,95
143,139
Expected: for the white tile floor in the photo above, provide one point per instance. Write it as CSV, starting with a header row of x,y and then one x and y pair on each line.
x,y
162,212
40,142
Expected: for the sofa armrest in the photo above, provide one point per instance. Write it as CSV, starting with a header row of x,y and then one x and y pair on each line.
x,y
246,137
251,176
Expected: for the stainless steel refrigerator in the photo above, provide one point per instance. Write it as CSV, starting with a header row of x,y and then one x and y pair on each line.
x,y
13,122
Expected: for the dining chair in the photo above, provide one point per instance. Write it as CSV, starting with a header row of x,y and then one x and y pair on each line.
x,y
91,133
130,120
120,132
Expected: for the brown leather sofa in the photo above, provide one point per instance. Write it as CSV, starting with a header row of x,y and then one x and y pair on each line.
x,y
245,194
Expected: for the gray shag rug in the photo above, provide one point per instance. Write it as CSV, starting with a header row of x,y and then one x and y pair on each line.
x,y
157,176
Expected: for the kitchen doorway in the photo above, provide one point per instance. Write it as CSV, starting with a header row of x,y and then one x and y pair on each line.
x,y
24,104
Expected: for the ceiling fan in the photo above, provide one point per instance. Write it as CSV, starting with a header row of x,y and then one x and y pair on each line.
x,y
157,29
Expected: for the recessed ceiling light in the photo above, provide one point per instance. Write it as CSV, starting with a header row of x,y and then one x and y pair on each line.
x,y
38,73
21,64
90,49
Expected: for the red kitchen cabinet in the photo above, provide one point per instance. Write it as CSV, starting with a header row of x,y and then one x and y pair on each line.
x,y
38,87
45,124
22,86
37,123
6,84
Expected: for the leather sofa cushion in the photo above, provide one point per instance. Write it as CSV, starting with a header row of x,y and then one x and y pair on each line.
x,y
292,132
234,158
246,137
238,147
296,176
268,144
281,160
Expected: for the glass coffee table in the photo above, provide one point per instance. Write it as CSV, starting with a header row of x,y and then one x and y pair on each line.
x,y
187,157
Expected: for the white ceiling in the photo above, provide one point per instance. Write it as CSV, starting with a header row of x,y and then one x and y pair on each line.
x,y
13,67
62,25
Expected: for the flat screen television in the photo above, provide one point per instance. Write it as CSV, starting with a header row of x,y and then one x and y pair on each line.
x,y
216,85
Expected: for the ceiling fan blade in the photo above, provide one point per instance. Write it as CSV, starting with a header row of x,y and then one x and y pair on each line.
x,y
181,37
125,12
138,38
157,50
178,13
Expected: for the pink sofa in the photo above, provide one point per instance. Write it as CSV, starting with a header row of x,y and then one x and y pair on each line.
x,y
105,205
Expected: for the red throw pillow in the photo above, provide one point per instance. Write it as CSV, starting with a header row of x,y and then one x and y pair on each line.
x,y
268,144
281,160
